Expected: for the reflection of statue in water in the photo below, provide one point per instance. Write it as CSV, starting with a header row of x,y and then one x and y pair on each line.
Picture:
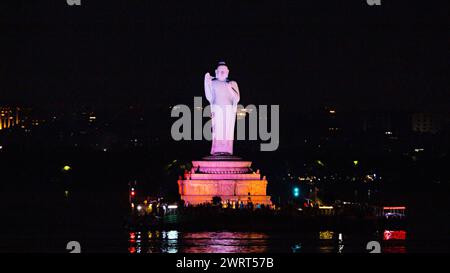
x,y
223,95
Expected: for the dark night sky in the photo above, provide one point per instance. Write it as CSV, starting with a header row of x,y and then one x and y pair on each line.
x,y
292,53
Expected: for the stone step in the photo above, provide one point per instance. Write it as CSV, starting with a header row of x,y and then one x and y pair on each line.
x,y
225,176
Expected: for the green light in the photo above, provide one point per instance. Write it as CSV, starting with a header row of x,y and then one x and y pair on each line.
x,y
355,162
296,191
67,168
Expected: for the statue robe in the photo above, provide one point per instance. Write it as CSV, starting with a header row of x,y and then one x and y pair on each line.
x,y
223,97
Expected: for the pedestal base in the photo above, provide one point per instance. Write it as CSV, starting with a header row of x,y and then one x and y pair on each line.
x,y
204,199
229,178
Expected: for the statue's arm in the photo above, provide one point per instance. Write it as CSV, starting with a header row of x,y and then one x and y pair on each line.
x,y
208,88
235,92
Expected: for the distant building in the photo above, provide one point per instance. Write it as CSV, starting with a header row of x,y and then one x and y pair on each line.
x,y
9,117
426,123
381,122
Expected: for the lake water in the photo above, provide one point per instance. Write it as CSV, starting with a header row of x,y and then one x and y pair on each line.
x,y
98,225
259,242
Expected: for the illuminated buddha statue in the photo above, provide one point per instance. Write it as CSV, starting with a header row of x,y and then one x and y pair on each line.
x,y
223,95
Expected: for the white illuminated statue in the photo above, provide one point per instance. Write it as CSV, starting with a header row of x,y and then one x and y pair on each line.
x,y
223,95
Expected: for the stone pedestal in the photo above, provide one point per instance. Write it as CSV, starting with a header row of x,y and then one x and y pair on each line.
x,y
226,176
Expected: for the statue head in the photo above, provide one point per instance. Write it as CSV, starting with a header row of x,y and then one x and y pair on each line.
x,y
222,71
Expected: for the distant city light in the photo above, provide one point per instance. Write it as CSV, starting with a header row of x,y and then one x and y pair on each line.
x,y
355,162
370,177
139,207
172,206
325,207
391,208
326,235
67,168
394,235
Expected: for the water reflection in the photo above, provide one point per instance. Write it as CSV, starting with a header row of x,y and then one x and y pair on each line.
x,y
327,241
394,249
394,241
297,248
198,242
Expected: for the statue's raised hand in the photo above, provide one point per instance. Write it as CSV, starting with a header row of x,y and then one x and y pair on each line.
x,y
208,79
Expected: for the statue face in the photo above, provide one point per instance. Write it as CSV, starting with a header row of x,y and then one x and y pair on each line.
x,y
222,72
